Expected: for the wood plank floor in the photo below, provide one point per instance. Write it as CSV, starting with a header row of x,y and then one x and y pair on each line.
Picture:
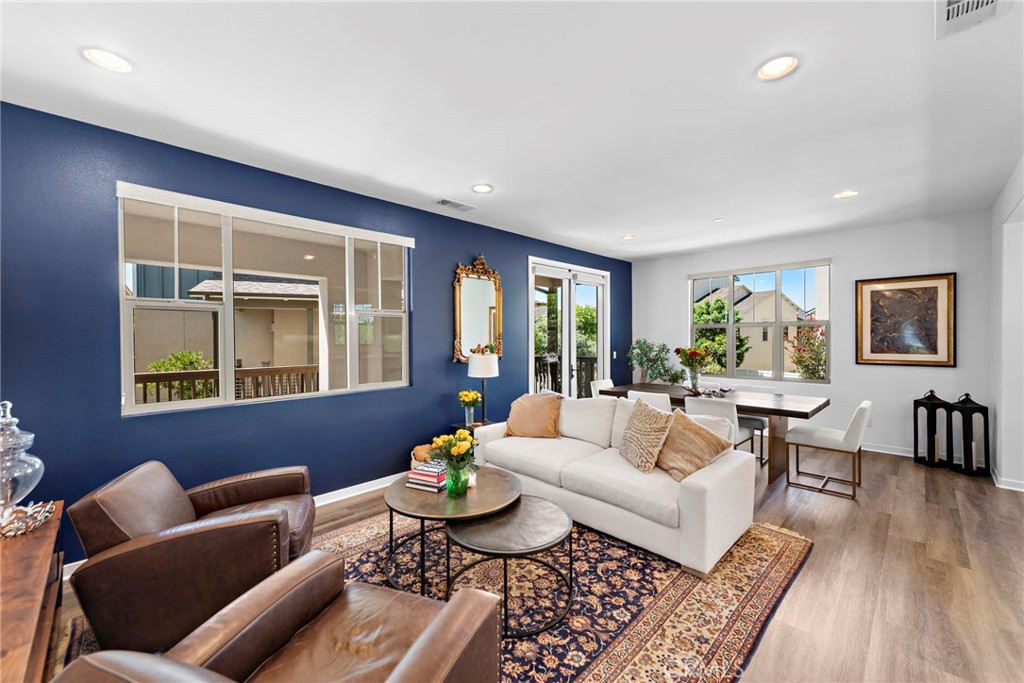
x,y
920,579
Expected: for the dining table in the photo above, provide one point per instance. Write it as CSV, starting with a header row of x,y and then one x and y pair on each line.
x,y
778,408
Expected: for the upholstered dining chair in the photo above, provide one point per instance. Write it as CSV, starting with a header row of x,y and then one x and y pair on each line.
x,y
756,422
306,623
837,440
721,408
652,398
162,560
598,384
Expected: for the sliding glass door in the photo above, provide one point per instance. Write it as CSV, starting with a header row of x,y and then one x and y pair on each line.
x,y
569,325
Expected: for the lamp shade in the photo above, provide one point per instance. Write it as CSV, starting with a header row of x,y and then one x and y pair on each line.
x,y
483,365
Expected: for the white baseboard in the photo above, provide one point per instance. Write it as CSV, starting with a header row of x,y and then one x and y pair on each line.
x,y
891,450
1011,484
319,501
357,490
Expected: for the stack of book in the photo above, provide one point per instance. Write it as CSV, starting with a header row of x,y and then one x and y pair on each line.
x,y
428,476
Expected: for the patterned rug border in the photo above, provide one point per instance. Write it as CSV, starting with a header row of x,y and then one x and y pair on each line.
x,y
791,577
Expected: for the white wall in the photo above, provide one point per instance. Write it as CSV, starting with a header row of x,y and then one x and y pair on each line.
x,y
1007,367
959,243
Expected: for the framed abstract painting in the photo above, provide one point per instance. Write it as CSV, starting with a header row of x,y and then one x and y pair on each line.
x,y
907,320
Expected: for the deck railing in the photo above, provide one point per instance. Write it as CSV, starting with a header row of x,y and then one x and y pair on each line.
x,y
184,385
548,374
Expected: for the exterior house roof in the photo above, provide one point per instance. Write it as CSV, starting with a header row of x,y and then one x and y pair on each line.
x,y
260,286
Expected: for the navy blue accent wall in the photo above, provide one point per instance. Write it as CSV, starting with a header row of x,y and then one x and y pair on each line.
x,y
60,357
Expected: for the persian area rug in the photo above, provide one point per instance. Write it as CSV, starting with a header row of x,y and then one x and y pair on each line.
x,y
635,616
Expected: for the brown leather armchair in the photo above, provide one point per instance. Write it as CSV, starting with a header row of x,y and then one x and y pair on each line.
x,y
162,560
304,624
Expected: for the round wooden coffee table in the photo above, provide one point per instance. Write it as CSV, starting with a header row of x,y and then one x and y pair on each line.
x,y
522,530
495,490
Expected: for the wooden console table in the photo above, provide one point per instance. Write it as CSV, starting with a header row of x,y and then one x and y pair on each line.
x,y
31,577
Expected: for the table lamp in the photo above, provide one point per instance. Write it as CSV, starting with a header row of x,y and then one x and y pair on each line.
x,y
483,365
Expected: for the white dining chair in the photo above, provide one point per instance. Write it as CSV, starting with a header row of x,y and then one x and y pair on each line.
x,y
826,439
721,408
756,422
652,398
598,384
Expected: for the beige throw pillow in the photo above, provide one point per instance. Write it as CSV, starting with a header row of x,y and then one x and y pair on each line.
x,y
689,447
644,436
534,415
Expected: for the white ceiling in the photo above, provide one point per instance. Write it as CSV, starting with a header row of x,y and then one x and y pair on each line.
x,y
591,120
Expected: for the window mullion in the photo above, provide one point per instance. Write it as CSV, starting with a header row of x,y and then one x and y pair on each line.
x,y
351,318
227,315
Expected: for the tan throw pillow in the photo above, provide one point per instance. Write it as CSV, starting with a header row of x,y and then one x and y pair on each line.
x,y
645,433
689,447
534,415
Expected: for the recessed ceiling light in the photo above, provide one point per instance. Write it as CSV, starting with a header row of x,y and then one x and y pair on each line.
x,y
845,194
718,220
108,60
483,188
777,68
629,238
309,257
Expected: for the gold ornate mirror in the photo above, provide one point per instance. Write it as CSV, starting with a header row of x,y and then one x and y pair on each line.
x,y
477,310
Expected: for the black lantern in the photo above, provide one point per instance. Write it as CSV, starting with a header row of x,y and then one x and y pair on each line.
x,y
932,404
967,408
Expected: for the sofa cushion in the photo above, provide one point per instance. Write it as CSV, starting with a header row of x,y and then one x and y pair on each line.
x,y
689,447
588,419
608,477
644,436
538,458
534,415
623,411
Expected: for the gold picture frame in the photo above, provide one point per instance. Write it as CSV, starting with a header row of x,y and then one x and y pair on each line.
x,y
907,320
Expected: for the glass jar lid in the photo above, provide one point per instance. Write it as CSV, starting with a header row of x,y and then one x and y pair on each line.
x,y
12,439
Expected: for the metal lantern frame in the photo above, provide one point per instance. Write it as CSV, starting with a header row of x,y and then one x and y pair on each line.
x,y
932,404
967,408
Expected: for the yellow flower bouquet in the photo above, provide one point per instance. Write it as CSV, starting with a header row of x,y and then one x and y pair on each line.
x,y
457,451
470,398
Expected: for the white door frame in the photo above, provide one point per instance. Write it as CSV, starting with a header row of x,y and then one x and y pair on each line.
x,y
573,273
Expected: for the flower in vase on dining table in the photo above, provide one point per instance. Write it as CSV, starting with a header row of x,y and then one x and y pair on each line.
x,y
694,359
457,452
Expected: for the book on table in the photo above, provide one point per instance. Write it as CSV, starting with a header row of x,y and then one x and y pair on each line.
x,y
423,486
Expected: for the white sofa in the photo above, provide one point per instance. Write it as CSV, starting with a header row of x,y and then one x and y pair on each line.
x,y
693,521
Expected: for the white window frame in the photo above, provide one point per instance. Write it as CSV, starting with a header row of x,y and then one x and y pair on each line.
x,y
775,328
226,345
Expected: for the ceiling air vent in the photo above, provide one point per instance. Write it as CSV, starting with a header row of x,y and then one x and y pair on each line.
x,y
952,16
452,204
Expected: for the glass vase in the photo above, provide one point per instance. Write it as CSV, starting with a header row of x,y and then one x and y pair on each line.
x,y
694,380
19,471
457,481
469,415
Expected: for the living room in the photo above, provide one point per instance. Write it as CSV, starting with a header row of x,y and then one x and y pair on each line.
x,y
596,180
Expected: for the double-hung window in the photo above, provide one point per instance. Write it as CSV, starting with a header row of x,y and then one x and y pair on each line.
x,y
764,323
225,304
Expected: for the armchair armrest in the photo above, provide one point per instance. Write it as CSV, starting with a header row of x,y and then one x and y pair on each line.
x,y
485,435
236,640
468,627
249,488
150,592
716,505
120,666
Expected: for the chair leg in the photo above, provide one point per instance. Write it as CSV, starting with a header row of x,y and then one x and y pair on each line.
x,y
798,459
860,466
787,464
854,474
